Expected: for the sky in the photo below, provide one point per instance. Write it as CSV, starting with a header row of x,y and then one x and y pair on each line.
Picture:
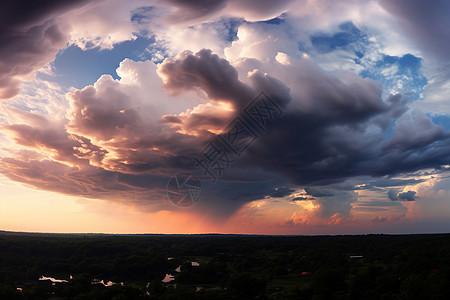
x,y
297,117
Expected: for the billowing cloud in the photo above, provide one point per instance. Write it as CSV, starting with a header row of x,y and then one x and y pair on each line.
x,y
124,118
333,128
208,72
340,132
104,24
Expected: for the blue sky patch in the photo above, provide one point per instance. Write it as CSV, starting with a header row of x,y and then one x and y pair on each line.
x,y
78,68
399,75
347,35
443,120
278,20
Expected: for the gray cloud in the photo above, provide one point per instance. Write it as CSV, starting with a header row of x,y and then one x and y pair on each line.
x,y
335,201
281,192
336,125
301,199
319,192
30,35
185,11
407,196
338,205
426,22
377,184
394,195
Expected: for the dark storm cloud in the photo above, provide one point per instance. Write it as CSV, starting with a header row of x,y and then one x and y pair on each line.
x,y
406,196
281,192
319,192
301,199
241,191
223,198
30,36
425,21
322,148
17,14
379,183
335,200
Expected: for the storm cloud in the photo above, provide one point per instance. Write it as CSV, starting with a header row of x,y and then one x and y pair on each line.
x,y
122,139
333,128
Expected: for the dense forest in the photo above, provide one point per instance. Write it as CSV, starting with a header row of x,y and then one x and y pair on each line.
x,y
96,266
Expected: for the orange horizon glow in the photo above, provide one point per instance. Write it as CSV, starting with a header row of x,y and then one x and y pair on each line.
x,y
28,210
